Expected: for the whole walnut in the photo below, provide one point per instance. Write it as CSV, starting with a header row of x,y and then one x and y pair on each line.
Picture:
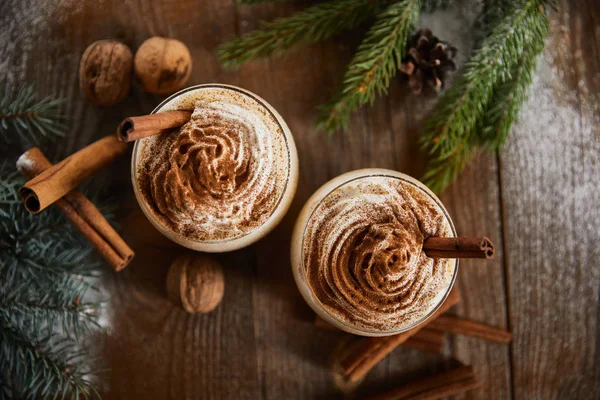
x,y
162,65
196,283
105,72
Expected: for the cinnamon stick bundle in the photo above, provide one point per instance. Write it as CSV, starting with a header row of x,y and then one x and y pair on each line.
x,y
458,247
134,128
58,180
82,213
447,383
359,362
460,326
426,340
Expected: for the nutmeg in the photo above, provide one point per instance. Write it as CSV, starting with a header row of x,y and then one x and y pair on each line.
x,y
105,72
162,65
196,283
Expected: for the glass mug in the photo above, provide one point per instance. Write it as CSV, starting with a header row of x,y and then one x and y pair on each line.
x,y
278,156
342,264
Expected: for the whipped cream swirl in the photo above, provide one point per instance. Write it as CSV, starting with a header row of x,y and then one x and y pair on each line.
x,y
218,176
363,253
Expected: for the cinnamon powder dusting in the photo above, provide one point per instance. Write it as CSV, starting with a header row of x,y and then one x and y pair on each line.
x,y
219,176
363,253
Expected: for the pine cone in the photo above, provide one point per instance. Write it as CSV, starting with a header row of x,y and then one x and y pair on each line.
x,y
427,61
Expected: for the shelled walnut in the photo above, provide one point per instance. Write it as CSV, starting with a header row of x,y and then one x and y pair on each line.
x,y
162,65
105,72
196,283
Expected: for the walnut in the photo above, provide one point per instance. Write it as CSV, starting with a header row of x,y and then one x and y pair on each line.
x,y
105,72
196,283
162,65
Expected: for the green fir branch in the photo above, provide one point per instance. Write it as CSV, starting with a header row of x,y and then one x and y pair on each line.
x,y
40,248
509,98
455,125
41,367
316,23
376,62
52,305
22,114
432,5
43,314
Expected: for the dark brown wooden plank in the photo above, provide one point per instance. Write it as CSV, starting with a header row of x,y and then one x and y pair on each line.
x,y
550,172
260,342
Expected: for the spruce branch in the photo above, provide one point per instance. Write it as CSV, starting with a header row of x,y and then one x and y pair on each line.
x,y
509,97
43,368
453,127
43,309
315,23
23,114
376,62
43,313
432,5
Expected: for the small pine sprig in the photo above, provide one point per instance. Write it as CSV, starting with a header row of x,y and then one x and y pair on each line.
x,y
376,62
509,97
316,23
51,306
39,366
432,5
43,262
32,119
454,130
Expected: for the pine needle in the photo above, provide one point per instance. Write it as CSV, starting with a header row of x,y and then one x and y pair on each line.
x,y
376,62
453,131
510,96
40,367
432,5
316,23
24,116
43,262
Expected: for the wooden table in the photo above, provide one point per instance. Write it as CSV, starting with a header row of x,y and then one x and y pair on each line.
x,y
538,200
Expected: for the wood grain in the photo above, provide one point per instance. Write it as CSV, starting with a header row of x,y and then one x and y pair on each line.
x,y
550,172
535,202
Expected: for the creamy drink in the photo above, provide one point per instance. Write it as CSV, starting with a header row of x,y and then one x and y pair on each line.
x,y
224,179
357,252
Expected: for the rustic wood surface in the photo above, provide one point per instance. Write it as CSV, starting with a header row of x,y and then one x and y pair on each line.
x,y
537,201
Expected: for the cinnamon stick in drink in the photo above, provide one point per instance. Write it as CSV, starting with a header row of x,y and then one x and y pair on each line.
x,y
59,179
447,383
82,213
357,364
134,128
458,247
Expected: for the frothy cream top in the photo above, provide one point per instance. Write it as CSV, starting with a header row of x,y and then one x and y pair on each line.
x,y
363,253
219,176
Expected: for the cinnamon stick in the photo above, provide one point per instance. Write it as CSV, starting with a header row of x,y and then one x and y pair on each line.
x,y
460,326
357,364
58,180
447,383
134,128
426,340
82,213
458,247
